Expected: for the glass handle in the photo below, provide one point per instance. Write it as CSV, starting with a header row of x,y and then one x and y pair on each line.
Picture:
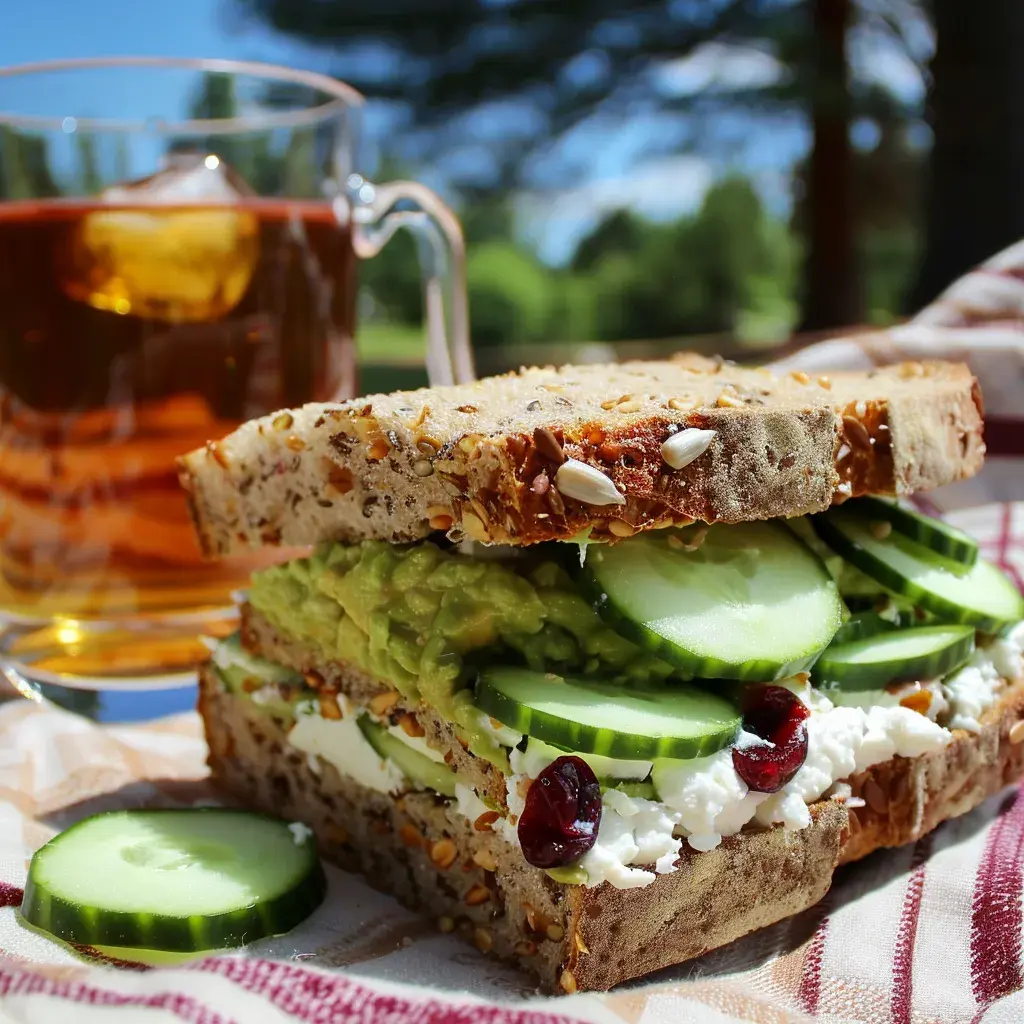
x,y
442,254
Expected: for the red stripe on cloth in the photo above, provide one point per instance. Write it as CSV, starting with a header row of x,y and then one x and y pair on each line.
x,y
809,993
1006,542
25,982
1004,435
1016,273
315,997
92,953
996,909
10,895
906,936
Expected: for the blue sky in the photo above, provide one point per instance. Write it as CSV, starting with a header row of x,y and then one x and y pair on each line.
x,y
42,29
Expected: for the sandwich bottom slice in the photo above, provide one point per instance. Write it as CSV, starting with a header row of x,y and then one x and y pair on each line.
x,y
599,760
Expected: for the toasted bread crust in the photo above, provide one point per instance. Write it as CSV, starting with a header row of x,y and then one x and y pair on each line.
x,y
602,936
480,460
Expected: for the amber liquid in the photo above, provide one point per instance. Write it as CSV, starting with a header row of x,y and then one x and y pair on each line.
x,y
129,336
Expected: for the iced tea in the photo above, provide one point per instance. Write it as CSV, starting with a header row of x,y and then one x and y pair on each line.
x,y
130,334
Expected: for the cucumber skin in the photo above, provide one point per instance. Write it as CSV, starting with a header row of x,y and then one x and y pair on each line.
x,y
691,666
593,740
873,677
938,537
947,611
644,790
861,626
430,776
75,924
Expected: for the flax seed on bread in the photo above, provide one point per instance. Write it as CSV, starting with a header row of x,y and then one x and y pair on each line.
x,y
480,460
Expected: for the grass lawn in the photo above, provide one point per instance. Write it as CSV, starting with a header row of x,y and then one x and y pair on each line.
x,y
390,343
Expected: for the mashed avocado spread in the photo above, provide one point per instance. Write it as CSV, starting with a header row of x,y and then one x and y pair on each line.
x,y
425,619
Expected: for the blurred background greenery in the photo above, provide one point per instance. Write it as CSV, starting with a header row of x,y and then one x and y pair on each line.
x,y
636,178
710,173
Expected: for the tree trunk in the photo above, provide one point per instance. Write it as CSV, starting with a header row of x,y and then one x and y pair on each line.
x,y
975,203
832,288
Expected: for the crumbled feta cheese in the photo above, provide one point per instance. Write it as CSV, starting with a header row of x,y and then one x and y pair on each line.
x,y
300,833
707,794
842,741
341,743
467,803
973,689
938,705
502,733
632,831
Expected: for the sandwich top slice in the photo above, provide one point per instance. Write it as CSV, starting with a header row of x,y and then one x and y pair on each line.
x,y
607,666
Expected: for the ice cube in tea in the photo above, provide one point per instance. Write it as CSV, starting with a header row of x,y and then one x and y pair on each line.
x,y
182,263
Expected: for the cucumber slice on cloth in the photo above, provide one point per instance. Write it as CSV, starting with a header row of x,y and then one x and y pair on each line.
x,y
180,880
599,718
927,652
980,596
750,602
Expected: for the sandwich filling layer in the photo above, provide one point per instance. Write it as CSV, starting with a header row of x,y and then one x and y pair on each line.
x,y
578,673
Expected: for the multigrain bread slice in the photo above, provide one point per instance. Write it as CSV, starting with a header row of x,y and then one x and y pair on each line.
x,y
574,938
479,461
330,678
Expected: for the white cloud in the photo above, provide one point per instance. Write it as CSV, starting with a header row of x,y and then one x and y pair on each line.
x,y
659,189
719,67
876,59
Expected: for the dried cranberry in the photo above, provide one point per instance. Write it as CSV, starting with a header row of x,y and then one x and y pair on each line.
x,y
563,809
778,716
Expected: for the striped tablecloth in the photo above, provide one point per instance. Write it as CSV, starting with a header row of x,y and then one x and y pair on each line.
x,y
926,933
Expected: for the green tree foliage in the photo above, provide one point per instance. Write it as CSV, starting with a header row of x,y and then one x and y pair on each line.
x,y
699,275
560,58
90,181
511,295
249,156
724,269
24,166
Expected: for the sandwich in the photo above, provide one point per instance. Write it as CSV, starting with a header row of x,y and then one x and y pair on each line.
x,y
604,667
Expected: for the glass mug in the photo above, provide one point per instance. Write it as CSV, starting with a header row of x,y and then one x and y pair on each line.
x,y
178,241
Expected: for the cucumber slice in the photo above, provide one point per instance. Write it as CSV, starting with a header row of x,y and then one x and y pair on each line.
x,y
243,671
927,652
938,537
981,596
180,880
860,626
637,789
752,602
598,718
609,770
416,767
